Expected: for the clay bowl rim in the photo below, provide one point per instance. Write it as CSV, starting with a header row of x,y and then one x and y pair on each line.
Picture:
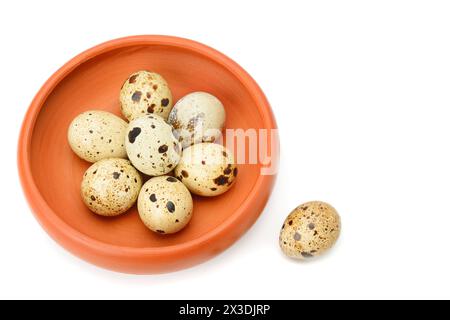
x,y
57,227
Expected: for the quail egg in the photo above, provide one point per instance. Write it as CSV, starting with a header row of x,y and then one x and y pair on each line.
x,y
165,205
95,135
151,146
145,92
207,169
310,230
197,117
110,186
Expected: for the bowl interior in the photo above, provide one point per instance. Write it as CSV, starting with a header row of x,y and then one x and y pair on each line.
x,y
95,84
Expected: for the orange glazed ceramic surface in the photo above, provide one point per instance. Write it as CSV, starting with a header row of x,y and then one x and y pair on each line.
x,y
51,173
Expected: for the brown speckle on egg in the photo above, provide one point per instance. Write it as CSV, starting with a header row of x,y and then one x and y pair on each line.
x,y
170,206
221,180
227,170
133,78
132,135
163,148
176,147
165,102
136,97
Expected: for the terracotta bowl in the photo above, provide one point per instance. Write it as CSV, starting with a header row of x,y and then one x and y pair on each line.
x,y
51,173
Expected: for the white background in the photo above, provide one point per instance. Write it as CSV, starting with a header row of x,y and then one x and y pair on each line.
x,y
361,93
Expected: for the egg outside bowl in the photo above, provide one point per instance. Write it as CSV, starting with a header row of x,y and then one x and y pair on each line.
x,y
51,173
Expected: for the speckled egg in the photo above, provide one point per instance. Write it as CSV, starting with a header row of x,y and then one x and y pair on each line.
x,y
145,92
151,146
309,230
165,205
110,186
95,135
197,117
207,169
